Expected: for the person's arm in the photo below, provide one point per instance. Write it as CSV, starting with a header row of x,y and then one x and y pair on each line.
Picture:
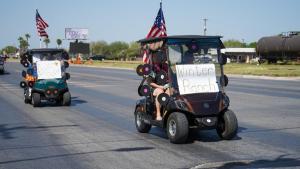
x,y
154,85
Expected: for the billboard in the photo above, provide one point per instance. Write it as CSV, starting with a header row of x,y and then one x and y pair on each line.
x,y
80,47
76,33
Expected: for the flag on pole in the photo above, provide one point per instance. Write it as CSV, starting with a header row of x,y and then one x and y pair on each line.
x,y
159,27
157,30
146,56
41,25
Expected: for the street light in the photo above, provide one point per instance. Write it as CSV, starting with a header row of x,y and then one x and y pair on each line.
x,y
204,28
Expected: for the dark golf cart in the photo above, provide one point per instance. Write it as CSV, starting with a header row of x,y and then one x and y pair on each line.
x,y
191,67
45,78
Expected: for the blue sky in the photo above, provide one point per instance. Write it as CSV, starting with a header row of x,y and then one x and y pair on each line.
x,y
130,20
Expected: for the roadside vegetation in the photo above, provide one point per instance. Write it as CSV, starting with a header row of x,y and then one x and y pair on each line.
x,y
276,70
124,55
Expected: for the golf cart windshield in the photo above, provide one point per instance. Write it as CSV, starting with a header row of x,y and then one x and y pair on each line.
x,y
48,64
194,67
47,56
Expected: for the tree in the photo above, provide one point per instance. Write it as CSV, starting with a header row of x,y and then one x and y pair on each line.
x,y
46,41
232,43
133,51
117,49
59,42
9,49
23,44
252,45
100,48
27,36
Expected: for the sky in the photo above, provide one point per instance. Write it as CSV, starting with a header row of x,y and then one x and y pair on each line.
x,y
130,20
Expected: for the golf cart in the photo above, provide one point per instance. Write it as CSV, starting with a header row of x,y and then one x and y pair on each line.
x,y
191,67
2,61
45,78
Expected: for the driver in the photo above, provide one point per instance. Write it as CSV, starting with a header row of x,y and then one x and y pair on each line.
x,y
188,57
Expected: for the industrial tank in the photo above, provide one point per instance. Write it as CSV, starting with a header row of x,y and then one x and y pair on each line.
x,y
279,47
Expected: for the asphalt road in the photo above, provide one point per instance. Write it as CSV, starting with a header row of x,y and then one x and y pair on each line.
x,y
97,130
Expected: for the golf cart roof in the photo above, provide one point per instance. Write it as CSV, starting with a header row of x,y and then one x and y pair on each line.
x,y
45,50
60,53
174,39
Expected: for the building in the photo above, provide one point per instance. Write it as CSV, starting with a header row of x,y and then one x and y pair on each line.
x,y
240,55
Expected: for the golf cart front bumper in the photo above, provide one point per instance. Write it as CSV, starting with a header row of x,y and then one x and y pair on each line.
x,y
202,105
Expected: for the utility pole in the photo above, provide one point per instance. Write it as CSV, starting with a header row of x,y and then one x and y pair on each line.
x,y
205,28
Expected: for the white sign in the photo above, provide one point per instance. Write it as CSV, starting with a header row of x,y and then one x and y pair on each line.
x,y
76,33
48,69
197,78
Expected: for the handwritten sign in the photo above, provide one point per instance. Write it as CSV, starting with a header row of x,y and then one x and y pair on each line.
x,y
48,69
196,78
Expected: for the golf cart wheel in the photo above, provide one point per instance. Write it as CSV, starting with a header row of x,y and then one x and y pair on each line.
x,y
177,128
227,125
66,99
140,125
27,98
36,99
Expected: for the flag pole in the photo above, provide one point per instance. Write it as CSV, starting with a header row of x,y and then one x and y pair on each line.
x,y
40,42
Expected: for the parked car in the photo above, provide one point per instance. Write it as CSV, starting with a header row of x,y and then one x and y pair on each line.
x,y
98,57
2,61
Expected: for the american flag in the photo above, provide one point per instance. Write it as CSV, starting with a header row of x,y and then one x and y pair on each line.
x,y
159,27
41,25
157,30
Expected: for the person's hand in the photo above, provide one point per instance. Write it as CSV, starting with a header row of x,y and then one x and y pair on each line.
x,y
166,86
162,87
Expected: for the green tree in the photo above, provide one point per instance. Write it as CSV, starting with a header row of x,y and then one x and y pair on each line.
x,y
46,41
100,48
133,51
232,43
252,45
23,44
27,36
58,42
9,49
117,49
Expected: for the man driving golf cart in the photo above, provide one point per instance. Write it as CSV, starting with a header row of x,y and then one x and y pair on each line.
x,y
195,80
45,78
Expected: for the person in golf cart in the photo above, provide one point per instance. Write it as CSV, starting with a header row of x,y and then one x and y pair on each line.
x,y
158,61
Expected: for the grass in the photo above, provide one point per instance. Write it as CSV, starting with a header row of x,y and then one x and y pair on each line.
x,y
277,70
117,64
